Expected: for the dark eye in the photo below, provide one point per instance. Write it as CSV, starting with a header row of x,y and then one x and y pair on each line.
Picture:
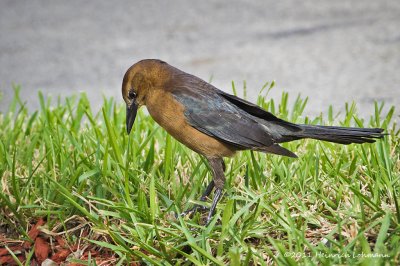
x,y
132,95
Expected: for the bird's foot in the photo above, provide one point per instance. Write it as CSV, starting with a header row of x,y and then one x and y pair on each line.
x,y
209,218
194,209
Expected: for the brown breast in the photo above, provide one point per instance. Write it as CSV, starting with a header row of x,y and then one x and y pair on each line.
x,y
169,114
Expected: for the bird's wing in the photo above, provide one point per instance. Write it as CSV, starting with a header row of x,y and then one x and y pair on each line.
x,y
258,112
213,114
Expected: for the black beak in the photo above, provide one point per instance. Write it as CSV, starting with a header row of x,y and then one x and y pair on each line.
x,y
130,116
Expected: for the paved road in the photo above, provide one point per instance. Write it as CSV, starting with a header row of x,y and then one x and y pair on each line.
x,y
331,51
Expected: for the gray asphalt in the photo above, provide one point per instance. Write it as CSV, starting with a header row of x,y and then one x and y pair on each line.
x,y
331,51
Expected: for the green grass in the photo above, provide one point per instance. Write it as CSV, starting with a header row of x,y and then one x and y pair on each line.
x,y
333,205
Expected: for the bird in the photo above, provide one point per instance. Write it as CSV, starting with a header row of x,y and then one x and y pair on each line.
x,y
216,124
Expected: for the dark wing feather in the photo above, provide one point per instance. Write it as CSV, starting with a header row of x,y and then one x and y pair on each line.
x,y
231,127
209,112
257,111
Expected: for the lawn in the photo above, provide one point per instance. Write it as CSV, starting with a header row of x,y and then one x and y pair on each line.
x,y
73,181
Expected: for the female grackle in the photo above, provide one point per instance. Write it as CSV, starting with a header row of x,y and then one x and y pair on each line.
x,y
216,124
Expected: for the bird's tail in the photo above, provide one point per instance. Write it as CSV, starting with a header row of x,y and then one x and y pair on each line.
x,y
342,135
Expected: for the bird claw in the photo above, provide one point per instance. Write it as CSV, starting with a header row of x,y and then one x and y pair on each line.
x,y
217,196
194,209
199,208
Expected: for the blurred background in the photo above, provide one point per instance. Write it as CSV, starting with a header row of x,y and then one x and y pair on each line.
x,y
331,51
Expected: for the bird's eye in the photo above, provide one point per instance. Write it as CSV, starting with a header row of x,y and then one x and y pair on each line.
x,y
132,95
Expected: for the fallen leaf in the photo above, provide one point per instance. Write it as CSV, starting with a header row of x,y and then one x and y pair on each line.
x,y
34,232
15,249
42,249
61,241
61,255
9,260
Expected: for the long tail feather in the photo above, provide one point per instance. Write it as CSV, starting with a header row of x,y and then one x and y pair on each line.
x,y
342,135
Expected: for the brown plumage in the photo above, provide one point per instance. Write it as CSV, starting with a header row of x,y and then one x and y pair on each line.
x,y
216,124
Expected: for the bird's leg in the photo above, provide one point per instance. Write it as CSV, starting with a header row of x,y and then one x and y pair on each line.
x,y
197,207
218,168
207,192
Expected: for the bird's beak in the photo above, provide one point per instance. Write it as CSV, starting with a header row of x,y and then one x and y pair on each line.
x,y
130,116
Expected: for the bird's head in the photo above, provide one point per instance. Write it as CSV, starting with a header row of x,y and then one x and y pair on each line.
x,y
138,82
